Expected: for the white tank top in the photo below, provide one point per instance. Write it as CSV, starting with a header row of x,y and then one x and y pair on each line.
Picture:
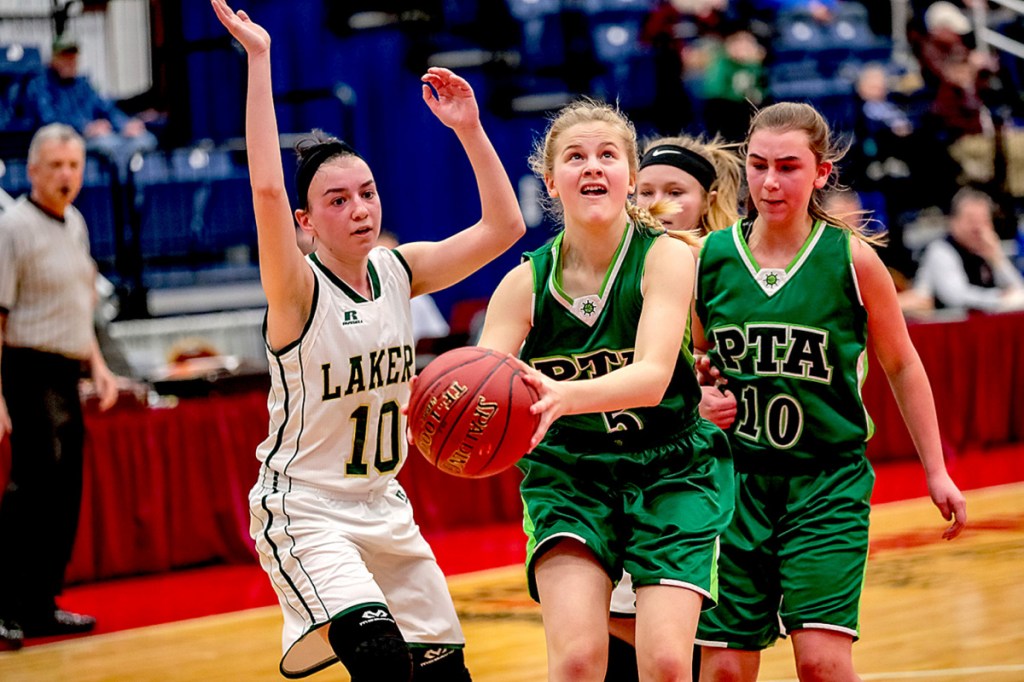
x,y
337,392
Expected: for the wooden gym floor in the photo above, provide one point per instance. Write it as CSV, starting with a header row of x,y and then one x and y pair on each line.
x,y
932,610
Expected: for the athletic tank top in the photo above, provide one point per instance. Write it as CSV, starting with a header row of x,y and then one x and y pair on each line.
x,y
791,342
336,393
589,336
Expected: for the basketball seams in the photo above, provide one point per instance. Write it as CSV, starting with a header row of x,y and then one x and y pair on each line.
x,y
471,437
427,389
474,391
511,389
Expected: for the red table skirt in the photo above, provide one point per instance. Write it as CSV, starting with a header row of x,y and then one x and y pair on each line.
x,y
166,488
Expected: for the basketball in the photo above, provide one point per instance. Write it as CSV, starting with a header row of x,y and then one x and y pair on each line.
x,y
469,413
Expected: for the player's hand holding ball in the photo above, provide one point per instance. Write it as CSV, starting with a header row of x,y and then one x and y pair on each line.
x,y
470,411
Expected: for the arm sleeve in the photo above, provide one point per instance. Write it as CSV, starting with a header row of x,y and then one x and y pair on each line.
x,y
101,106
1007,276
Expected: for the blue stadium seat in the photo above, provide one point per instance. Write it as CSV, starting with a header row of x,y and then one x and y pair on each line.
x,y
833,97
18,64
528,10
617,41
18,59
191,205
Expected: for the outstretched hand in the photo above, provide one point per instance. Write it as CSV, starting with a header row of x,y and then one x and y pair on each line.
x,y
454,103
252,36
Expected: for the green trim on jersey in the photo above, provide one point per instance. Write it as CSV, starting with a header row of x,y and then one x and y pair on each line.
x,y
588,307
348,290
792,344
592,335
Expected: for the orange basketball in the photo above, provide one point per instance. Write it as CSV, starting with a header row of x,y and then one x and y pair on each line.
x,y
470,412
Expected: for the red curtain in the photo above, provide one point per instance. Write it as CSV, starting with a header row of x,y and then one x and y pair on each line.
x,y
167,488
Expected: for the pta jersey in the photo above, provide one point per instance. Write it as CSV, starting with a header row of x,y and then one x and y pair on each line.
x,y
791,342
589,336
336,393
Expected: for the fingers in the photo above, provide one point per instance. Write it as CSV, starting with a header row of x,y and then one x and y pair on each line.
x,y
959,511
447,83
428,97
542,428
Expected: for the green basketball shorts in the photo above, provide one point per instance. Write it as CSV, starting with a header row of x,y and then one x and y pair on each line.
x,y
657,512
793,557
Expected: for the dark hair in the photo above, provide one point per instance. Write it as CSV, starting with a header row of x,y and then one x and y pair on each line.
x,y
312,152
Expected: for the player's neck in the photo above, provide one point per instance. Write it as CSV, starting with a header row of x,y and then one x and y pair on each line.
x,y
352,270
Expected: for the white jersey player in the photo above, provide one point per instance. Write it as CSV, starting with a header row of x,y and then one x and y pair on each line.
x,y
335,532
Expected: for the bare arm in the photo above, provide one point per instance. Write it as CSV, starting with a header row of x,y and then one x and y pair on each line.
x,y
287,281
436,265
902,365
667,287
509,312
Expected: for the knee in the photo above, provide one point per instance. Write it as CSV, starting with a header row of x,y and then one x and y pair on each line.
x,y
579,660
724,668
820,667
666,664
369,644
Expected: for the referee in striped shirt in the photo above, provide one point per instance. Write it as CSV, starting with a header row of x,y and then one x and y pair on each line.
x,y
47,296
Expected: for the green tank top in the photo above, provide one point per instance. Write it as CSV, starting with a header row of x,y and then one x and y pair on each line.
x,y
792,344
592,335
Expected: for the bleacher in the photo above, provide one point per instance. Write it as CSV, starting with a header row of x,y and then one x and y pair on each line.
x,y
177,234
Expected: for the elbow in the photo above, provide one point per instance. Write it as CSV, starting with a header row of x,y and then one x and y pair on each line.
x,y
515,228
654,393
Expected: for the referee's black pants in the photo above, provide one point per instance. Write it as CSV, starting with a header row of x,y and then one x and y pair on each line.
x,y
41,503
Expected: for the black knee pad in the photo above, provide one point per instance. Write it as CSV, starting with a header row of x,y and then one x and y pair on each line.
x,y
370,645
622,666
439,664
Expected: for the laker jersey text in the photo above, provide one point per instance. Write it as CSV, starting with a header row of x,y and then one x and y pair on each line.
x,y
371,370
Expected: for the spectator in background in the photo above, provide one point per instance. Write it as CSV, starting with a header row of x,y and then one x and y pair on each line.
x,y
47,297
889,167
941,41
733,84
968,268
60,95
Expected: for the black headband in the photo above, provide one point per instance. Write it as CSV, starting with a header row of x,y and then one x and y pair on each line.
x,y
684,159
308,165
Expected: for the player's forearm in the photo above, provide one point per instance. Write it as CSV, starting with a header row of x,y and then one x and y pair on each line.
x,y
263,146
913,394
498,203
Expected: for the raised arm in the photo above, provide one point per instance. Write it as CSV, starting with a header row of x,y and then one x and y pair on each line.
x,y
891,341
287,281
436,265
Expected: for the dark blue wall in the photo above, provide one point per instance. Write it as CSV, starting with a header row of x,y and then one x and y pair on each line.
x,y
426,184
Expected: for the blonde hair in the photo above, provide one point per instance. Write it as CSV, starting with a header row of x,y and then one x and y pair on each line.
x,y
587,110
723,211
786,116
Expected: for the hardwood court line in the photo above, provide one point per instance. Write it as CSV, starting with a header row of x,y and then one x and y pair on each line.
x,y
927,674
